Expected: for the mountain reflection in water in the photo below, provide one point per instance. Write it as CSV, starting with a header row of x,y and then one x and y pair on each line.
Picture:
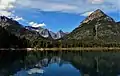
x,y
60,63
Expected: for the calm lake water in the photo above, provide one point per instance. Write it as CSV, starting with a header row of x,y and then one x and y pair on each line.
x,y
64,63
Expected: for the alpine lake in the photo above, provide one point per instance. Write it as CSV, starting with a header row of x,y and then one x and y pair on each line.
x,y
59,63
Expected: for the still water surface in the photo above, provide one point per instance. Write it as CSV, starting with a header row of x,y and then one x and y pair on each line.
x,y
65,63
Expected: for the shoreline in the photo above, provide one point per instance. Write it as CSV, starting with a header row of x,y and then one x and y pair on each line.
x,y
60,49
80,49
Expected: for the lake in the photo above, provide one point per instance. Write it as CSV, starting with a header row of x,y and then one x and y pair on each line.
x,y
59,63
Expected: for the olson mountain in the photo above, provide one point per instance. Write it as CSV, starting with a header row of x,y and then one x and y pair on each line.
x,y
98,29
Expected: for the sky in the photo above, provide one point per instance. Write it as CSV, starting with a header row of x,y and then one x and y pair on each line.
x,y
56,15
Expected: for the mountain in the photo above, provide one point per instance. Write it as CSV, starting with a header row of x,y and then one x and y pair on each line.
x,y
60,34
96,27
32,36
53,35
46,33
8,40
10,25
21,32
97,14
14,27
41,31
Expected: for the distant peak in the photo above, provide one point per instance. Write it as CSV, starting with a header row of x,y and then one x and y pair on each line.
x,y
60,31
46,29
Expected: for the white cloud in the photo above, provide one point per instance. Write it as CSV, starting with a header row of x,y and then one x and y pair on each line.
x,y
18,18
47,6
87,13
33,24
96,1
6,6
5,13
67,6
71,6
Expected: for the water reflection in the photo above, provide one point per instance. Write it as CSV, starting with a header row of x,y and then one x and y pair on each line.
x,y
67,63
11,61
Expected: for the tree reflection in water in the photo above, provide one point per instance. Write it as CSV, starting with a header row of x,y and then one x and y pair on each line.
x,y
11,61
88,63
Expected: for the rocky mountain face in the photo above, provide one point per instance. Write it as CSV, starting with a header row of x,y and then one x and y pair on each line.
x,y
10,25
46,33
98,26
40,31
60,34
95,15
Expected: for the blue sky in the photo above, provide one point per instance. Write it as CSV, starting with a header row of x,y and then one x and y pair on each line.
x,y
56,15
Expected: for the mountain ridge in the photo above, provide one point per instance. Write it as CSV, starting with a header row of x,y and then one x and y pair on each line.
x,y
47,33
19,30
